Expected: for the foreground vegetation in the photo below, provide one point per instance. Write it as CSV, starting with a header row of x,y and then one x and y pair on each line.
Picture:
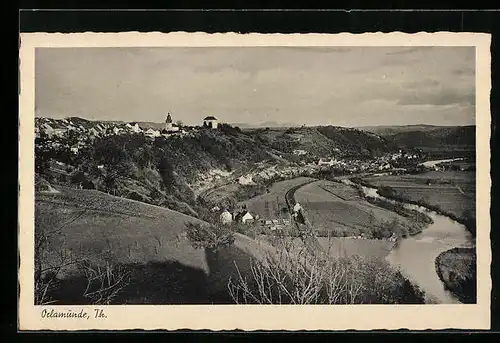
x,y
293,276
457,269
289,274
93,248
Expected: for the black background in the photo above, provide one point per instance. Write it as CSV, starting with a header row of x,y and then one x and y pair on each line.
x,y
49,17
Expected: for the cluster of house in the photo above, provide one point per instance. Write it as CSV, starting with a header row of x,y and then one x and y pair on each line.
x,y
299,152
169,129
58,128
242,215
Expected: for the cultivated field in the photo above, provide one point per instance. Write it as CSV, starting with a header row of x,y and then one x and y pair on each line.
x,y
272,205
336,209
453,192
147,240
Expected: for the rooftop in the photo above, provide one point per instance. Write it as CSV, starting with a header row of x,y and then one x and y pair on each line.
x,y
210,118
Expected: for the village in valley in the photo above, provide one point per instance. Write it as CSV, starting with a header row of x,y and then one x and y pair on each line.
x,y
84,132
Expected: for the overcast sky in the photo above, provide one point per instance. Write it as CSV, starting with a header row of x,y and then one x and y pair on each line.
x,y
339,86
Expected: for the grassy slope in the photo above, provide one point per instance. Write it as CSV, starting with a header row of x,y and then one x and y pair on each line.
x,y
149,239
346,247
321,141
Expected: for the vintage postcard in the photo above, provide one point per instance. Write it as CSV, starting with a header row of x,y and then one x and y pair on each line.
x,y
254,181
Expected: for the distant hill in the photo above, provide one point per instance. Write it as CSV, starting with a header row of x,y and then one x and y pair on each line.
x,y
427,136
386,130
464,136
269,124
323,141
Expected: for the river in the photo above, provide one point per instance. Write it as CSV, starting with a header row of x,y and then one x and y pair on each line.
x,y
432,164
416,255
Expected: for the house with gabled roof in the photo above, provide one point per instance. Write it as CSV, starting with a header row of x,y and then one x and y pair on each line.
x,y
210,122
152,133
244,217
134,127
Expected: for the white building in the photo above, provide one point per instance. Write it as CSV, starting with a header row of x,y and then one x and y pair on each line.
x,y
169,124
93,132
297,207
226,218
210,122
134,127
51,132
323,162
247,218
299,152
152,133
245,180
243,217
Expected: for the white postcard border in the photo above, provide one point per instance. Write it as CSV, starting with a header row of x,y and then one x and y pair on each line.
x,y
254,317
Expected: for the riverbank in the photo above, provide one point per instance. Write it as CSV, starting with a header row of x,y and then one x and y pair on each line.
x,y
439,192
456,268
417,254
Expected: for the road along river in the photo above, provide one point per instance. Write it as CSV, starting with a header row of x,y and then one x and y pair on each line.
x,y
416,255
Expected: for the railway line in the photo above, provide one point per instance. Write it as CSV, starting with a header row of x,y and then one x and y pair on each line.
x,y
305,230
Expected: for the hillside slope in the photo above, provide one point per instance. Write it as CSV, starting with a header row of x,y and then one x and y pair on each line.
x,y
323,141
172,171
148,240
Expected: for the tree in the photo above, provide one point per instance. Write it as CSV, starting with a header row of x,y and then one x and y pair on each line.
x,y
166,171
110,182
209,236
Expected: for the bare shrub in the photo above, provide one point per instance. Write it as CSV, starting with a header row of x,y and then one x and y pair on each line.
x,y
51,256
54,261
209,236
294,276
104,283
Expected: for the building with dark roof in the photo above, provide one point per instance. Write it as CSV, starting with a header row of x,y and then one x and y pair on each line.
x,y
210,122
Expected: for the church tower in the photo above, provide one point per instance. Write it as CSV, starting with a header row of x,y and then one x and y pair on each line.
x,y
168,123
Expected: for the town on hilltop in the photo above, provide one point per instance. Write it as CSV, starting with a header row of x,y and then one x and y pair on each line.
x,y
59,128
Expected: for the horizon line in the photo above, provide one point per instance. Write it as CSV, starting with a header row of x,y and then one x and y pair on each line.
x,y
261,124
